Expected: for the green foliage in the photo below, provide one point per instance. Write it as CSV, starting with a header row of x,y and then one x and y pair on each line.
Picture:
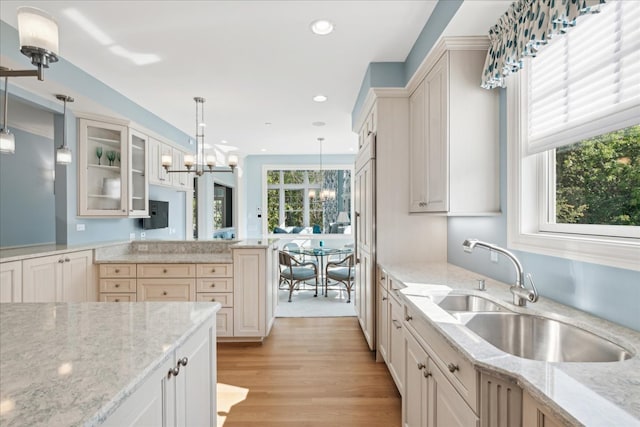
x,y
598,180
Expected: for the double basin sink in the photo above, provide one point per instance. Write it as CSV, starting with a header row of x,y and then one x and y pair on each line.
x,y
529,336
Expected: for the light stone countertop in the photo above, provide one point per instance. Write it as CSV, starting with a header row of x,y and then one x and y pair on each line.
x,y
73,364
167,258
18,253
590,394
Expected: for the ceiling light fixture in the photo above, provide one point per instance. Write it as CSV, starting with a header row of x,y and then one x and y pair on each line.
x,y
38,33
321,27
63,153
318,124
200,159
325,193
7,140
319,98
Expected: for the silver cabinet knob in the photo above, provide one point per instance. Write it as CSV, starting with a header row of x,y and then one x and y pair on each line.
x,y
452,367
117,270
421,366
183,361
213,270
67,260
426,374
173,372
60,261
164,270
213,285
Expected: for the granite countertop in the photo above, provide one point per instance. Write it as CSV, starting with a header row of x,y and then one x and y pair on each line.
x,y
167,258
72,364
254,243
34,251
592,394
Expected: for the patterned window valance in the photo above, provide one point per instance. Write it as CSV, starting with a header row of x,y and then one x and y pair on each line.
x,y
524,28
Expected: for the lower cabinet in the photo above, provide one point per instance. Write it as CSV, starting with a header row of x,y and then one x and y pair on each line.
x,y
395,354
429,398
365,296
382,319
180,392
249,290
66,277
533,415
11,281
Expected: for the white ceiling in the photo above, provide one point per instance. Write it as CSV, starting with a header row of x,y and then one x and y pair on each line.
x,y
254,61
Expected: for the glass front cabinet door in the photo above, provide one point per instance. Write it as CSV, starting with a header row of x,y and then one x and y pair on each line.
x,y
112,179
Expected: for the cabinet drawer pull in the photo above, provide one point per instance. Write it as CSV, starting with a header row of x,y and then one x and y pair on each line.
x,y
164,293
173,372
408,318
213,285
213,299
164,270
67,260
426,374
421,366
384,298
183,361
117,270
452,368
213,270
60,261
397,324
117,300
117,285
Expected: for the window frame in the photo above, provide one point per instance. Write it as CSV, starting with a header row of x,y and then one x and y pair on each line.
x,y
303,167
528,186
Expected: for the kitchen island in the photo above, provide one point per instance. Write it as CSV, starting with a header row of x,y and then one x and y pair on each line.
x,y
107,364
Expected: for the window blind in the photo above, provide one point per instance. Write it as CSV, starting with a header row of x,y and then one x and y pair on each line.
x,y
586,82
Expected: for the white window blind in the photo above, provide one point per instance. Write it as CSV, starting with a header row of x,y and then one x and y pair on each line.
x,y
586,82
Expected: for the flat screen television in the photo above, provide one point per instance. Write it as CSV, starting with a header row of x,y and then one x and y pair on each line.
x,y
158,215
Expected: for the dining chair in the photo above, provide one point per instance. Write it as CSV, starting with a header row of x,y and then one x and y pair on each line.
x,y
292,272
342,271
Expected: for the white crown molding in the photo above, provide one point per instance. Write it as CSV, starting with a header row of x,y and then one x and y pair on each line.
x,y
443,45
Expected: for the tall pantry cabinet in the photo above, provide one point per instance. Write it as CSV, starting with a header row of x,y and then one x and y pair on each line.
x,y
385,232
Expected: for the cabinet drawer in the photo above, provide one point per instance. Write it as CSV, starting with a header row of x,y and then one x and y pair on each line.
x,y
166,270
118,297
394,287
117,270
117,285
166,290
215,285
224,322
464,376
382,278
214,270
224,298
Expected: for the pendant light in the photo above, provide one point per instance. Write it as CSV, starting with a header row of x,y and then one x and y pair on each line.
x,y
63,153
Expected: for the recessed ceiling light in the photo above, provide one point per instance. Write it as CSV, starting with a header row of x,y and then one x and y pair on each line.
x,y
350,148
267,123
321,27
319,98
224,141
263,149
318,124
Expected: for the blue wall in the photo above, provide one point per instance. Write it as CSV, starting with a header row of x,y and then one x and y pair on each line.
x,y
608,292
59,219
252,182
26,191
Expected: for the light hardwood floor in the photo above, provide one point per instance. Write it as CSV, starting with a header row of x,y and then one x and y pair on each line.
x,y
309,372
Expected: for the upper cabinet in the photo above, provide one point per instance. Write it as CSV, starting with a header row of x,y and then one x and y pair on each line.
x,y
138,178
158,175
453,132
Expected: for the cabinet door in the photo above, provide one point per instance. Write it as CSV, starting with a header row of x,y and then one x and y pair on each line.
x,y
138,190
11,281
249,282
364,206
152,404
534,416
417,151
157,174
102,183
77,278
41,278
437,137
175,289
396,344
414,399
196,382
382,328
365,296
180,180
445,406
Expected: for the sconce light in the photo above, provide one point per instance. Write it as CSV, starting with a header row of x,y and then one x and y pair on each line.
x,y
7,140
195,163
38,33
63,153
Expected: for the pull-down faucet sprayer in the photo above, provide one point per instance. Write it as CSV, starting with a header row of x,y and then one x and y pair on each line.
x,y
520,294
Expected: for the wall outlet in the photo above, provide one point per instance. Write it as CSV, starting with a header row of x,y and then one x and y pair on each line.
x,y
79,227
494,256
143,248
142,235
132,236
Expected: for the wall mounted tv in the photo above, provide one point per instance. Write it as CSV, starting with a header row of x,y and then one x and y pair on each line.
x,y
158,215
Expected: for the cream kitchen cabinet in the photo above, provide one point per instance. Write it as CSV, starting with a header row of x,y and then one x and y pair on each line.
x,y
453,133
396,356
214,283
112,170
166,282
11,281
250,293
158,174
382,317
117,282
534,415
66,277
431,398
179,392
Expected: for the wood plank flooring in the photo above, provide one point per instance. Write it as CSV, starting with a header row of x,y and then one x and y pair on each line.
x,y
309,372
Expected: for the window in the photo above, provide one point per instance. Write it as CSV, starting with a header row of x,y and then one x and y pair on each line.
x,y
222,206
294,203
574,143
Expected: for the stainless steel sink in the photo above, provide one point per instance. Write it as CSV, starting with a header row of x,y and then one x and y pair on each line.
x,y
465,303
539,338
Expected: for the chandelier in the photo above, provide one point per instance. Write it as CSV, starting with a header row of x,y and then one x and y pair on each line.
x,y
196,164
325,193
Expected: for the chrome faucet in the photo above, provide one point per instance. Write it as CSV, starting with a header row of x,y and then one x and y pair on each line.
x,y
520,294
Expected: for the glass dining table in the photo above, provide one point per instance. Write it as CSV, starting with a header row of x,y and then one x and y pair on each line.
x,y
320,254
